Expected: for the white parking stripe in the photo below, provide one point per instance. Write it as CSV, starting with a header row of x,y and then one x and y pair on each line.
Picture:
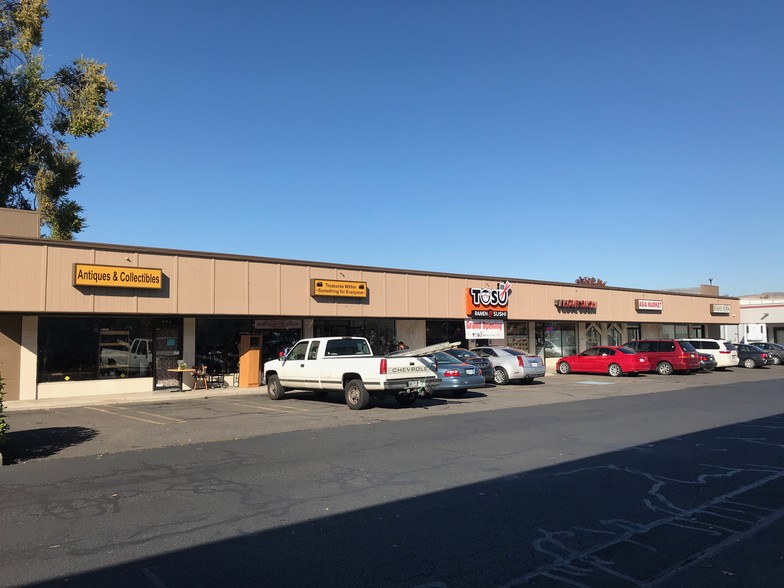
x,y
260,407
128,416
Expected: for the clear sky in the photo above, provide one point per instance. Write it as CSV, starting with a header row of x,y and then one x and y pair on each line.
x,y
640,142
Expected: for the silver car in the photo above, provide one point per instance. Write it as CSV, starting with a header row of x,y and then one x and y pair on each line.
x,y
511,364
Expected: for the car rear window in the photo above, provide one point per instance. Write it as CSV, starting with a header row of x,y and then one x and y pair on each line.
x,y
687,347
627,351
513,351
730,346
347,347
703,343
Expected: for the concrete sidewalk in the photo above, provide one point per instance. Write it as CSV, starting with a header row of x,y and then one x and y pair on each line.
x,y
130,398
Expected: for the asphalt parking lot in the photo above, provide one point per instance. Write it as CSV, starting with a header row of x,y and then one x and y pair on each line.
x,y
107,425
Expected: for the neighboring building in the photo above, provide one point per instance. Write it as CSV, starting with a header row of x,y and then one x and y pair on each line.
x,y
761,319
81,318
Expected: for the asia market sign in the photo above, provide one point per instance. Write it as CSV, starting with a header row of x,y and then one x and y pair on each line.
x,y
341,289
117,276
488,302
720,309
484,330
649,305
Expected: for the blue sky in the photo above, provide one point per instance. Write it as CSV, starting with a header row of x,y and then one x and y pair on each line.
x,y
638,142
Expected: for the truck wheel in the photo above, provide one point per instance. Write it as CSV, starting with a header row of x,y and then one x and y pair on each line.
x,y
274,389
357,396
406,398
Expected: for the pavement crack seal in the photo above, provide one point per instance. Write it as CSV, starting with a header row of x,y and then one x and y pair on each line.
x,y
600,564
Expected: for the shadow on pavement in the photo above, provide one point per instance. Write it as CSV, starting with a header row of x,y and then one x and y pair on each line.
x,y
21,446
636,516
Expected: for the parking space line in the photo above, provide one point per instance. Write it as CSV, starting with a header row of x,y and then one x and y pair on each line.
x,y
260,407
128,416
152,414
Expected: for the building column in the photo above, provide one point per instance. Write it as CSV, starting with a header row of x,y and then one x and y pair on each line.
x,y
28,361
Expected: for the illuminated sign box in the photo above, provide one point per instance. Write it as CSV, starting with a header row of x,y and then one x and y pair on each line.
x,y
720,308
343,289
488,303
657,305
117,276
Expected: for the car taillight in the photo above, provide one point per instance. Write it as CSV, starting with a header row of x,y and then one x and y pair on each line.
x,y
520,360
451,373
382,369
725,352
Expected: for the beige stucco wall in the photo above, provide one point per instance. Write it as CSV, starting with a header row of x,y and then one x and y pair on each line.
x,y
37,278
20,223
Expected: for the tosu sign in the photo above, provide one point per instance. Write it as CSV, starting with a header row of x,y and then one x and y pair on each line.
x,y
488,302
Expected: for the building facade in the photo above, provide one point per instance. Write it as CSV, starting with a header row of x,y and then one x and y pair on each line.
x,y
78,318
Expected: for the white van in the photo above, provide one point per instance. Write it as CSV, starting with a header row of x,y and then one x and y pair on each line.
x,y
724,352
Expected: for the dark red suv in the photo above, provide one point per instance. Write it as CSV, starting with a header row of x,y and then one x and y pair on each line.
x,y
668,355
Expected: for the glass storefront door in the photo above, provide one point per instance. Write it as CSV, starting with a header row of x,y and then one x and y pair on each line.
x,y
556,339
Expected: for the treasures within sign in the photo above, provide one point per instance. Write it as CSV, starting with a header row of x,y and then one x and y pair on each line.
x,y
117,276
319,287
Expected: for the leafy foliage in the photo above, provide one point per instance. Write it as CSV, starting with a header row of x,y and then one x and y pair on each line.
x,y
588,281
37,113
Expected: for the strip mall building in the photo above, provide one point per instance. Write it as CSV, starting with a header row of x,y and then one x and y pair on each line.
x,y
79,319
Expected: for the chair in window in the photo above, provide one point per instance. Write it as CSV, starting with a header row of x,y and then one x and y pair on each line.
x,y
200,376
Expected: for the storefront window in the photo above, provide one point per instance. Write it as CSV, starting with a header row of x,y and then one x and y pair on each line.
x,y
517,335
218,340
379,332
593,337
441,331
675,331
93,348
614,336
633,332
556,339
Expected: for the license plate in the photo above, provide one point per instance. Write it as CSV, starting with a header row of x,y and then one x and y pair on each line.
x,y
534,364
470,372
416,383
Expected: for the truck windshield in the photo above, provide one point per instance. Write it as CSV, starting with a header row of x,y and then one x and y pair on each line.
x,y
347,347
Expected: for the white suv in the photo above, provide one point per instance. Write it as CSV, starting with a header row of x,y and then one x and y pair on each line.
x,y
724,352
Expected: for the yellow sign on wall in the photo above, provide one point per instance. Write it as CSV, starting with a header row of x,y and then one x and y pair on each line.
x,y
117,276
319,287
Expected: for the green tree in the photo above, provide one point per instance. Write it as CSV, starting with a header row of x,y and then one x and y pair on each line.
x,y
37,113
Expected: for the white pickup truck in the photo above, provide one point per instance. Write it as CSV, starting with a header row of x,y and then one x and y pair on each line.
x,y
347,364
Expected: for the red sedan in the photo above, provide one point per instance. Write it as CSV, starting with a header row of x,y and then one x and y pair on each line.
x,y
605,360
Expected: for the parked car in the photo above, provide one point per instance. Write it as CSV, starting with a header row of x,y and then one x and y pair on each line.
x,y
469,356
751,356
707,361
667,355
605,360
511,364
774,350
456,375
723,352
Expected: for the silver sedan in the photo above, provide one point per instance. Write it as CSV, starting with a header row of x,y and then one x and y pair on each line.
x,y
511,364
